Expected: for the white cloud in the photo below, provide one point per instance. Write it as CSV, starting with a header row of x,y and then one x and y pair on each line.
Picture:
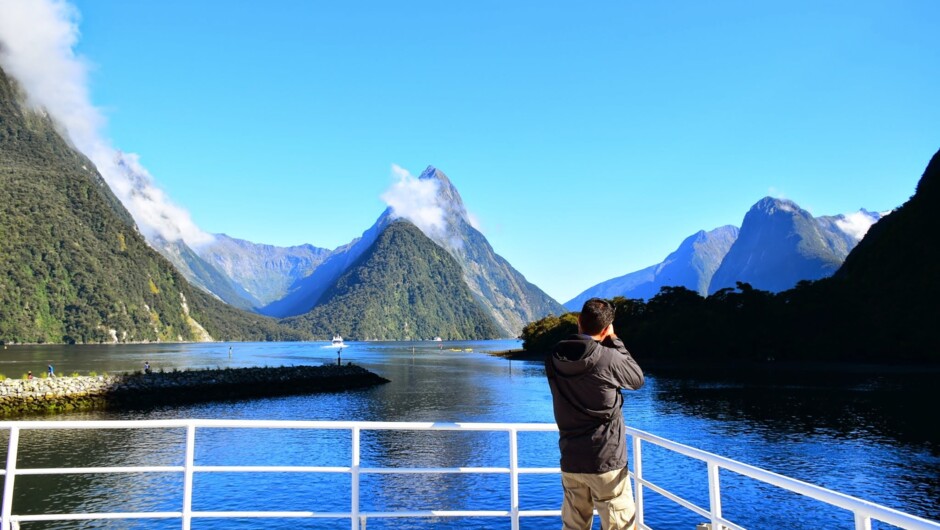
x,y
857,224
155,212
418,201
37,40
401,173
474,221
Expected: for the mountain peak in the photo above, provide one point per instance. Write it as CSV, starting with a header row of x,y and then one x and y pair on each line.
x,y
446,189
500,288
429,172
771,205
448,200
780,244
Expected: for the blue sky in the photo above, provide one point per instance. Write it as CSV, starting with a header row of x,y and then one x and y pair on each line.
x,y
588,138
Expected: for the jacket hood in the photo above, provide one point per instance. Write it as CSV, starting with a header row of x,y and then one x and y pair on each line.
x,y
575,355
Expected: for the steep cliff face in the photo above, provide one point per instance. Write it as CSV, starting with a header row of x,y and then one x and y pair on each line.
x,y
202,274
73,266
780,244
512,300
692,266
888,287
901,249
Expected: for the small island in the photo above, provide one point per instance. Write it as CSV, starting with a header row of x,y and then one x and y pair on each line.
x,y
141,390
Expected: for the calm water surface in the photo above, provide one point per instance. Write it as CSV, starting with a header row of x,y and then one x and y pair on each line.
x,y
867,436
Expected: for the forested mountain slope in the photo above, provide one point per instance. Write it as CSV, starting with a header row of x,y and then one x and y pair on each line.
x,y
73,266
403,287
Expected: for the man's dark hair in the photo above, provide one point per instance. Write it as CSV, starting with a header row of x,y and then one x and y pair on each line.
x,y
596,315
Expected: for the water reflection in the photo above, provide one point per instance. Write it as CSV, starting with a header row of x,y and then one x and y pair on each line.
x,y
883,408
851,433
861,436
90,493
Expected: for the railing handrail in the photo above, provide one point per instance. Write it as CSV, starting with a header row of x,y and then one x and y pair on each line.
x,y
860,507
280,424
864,511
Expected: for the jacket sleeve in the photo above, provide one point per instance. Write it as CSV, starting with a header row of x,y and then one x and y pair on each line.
x,y
624,369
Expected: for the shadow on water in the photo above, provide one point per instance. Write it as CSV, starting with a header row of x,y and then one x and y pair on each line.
x,y
853,432
845,406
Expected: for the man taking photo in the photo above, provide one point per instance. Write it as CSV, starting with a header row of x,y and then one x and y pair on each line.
x,y
585,373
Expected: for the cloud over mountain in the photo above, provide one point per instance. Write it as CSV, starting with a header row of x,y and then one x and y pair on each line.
x,y
857,224
416,200
37,41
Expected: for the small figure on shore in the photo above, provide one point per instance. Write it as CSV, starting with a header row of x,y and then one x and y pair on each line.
x,y
50,371
29,374
339,357
146,367
229,352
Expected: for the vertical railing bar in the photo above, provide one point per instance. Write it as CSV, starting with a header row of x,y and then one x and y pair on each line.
x,y
514,477
8,479
862,521
714,494
188,475
637,479
354,465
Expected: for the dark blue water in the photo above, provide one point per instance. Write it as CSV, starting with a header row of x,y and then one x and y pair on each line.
x,y
863,435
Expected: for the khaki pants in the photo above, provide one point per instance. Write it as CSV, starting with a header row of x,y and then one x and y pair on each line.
x,y
609,492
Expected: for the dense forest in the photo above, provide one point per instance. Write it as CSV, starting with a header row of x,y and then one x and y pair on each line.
x,y
403,287
881,306
73,266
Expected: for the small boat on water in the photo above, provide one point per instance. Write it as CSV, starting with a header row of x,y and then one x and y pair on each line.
x,y
337,340
437,339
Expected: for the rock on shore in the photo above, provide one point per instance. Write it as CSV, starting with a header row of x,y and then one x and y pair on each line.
x,y
58,394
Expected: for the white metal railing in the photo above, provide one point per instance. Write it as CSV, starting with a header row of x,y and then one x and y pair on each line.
x,y
864,511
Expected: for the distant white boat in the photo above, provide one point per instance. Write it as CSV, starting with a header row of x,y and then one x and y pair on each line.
x,y
437,339
337,340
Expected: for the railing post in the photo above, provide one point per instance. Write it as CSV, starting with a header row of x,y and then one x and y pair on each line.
x,y
355,478
862,521
514,477
188,475
714,494
7,510
637,477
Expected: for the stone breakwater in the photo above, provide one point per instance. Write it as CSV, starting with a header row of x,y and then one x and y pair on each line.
x,y
59,394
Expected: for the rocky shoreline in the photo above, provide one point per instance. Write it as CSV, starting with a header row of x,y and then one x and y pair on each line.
x,y
61,394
